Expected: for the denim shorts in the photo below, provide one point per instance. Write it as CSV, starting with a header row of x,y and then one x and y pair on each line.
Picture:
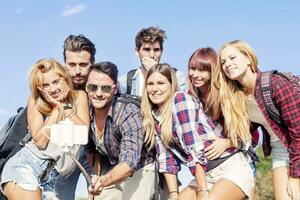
x,y
30,172
280,155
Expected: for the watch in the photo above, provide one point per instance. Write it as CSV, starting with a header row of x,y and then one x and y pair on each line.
x,y
67,106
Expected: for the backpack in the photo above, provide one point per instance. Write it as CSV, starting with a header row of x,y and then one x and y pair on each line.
x,y
130,74
13,136
266,91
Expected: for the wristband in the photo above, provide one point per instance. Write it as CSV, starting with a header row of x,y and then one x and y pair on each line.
x,y
203,190
67,106
175,191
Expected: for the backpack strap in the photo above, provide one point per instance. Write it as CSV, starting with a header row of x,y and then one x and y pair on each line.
x,y
266,92
119,104
129,80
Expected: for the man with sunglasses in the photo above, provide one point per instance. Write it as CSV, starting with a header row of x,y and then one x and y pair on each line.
x,y
129,178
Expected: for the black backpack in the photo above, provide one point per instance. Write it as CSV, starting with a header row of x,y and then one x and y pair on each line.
x,y
129,80
13,136
266,91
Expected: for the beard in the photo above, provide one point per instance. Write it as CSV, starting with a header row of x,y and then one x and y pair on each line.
x,y
80,86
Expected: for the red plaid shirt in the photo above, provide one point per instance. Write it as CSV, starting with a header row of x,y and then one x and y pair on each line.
x,y
287,100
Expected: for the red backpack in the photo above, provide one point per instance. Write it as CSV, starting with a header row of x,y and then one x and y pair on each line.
x,y
266,91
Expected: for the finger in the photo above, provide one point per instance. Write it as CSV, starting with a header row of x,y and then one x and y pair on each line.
x,y
210,147
215,156
289,191
212,137
212,155
209,153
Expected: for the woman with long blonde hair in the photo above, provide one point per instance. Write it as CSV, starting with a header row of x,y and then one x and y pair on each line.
x,y
31,173
241,99
176,125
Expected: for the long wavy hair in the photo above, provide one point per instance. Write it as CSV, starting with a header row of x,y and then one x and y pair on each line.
x,y
205,59
233,98
165,110
36,80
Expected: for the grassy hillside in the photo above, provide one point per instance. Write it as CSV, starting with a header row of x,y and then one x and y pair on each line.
x,y
264,188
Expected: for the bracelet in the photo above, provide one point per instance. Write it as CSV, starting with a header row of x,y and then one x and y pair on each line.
x,y
173,192
173,198
203,190
67,106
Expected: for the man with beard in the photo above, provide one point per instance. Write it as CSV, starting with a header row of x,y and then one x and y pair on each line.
x,y
79,55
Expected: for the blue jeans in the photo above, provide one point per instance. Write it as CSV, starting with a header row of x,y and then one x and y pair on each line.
x,y
30,172
66,186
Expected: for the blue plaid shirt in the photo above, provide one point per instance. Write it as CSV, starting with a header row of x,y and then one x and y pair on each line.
x,y
125,146
191,130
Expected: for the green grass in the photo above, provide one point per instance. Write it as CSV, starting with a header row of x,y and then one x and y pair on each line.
x,y
264,187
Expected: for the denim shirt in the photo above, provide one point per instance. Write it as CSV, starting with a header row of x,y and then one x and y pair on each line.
x,y
136,82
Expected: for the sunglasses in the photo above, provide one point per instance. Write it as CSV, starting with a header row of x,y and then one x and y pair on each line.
x,y
104,88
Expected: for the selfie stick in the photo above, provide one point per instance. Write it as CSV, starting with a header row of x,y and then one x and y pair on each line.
x,y
66,134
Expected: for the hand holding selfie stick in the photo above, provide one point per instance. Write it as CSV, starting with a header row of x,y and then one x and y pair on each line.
x,y
66,134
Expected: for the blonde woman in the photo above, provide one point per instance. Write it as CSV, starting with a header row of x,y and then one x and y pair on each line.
x,y
176,125
31,173
239,81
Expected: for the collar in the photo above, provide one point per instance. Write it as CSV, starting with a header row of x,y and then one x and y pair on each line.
x,y
92,111
155,115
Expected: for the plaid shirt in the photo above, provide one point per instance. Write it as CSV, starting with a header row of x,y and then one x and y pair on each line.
x,y
191,129
125,146
287,100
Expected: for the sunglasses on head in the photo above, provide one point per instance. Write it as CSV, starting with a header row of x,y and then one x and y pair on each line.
x,y
94,88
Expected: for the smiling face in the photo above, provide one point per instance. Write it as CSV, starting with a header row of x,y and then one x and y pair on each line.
x,y
234,64
158,88
199,78
54,85
97,89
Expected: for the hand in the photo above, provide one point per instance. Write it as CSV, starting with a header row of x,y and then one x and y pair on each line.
x,y
218,146
203,195
96,186
48,98
293,188
65,90
148,62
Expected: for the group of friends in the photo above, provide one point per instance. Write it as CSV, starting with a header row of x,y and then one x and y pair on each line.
x,y
208,122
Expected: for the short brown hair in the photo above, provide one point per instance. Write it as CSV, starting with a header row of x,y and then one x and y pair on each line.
x,y
150,35
77,43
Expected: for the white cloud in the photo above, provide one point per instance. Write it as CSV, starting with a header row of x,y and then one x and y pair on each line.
x,y
18,11
69,11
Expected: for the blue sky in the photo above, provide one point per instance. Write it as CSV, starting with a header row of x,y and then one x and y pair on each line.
x,y
31,30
